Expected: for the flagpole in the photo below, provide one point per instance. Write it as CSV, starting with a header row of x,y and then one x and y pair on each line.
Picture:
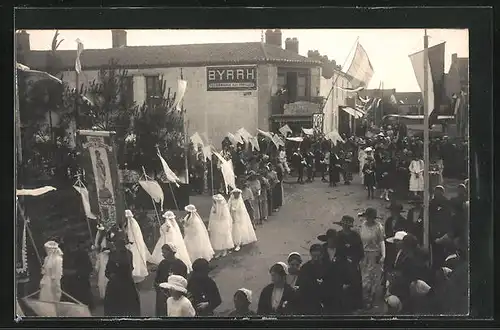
x,y
426,143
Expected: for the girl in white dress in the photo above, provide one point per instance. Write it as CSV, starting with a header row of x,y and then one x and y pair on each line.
x,y
416,175
196,236
102,249
171,233
140,252
243,232
220,226
52,270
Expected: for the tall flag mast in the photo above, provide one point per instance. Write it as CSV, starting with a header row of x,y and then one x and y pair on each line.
x,y
426,140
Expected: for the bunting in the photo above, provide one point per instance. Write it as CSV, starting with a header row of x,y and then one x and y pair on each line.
x,y
79,50
266,134
350,90
244,134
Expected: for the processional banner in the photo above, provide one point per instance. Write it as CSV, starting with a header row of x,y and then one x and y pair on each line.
x,y
101,173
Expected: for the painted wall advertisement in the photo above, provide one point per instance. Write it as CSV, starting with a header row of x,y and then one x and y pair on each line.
x,y
231,78
101,171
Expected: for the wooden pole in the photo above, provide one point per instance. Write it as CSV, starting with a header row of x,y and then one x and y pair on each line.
x,y
427,106
77,96
18,123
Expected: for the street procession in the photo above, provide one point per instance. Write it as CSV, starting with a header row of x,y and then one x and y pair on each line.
x,y
239,179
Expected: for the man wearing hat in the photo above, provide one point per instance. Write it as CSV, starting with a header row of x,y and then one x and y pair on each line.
x,y
350,252
415,218
298,163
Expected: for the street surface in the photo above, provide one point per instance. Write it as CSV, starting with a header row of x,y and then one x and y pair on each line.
x,y
309,210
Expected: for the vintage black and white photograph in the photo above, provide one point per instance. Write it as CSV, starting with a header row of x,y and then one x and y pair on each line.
x,y
242,173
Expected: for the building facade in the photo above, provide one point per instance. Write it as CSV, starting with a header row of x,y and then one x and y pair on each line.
x,y
457,91
229,86
335,99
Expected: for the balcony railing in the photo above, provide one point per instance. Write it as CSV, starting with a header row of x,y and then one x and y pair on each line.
x,y
278,102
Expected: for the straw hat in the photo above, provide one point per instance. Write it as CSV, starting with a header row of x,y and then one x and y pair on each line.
x,y
175,282
190,208
169,215
397,237
128,214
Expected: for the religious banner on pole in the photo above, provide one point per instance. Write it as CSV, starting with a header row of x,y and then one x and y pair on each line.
x,y
101,169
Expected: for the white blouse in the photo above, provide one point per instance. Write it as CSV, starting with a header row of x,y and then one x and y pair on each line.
x,y
276,297
180,307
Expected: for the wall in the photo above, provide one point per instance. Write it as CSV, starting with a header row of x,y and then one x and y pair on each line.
x,y
336,98
219,112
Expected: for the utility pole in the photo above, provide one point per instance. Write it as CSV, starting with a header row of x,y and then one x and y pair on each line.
x,y
427,106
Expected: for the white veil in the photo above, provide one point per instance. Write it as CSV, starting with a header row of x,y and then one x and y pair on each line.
x,y
196,237
140,252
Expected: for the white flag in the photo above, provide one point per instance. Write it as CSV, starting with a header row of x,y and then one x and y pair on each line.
x,y
181,90
417,61
360,69
393,99
308,131
196,140
154,190
266,134
207,152
79,50
255,143
232,138
40,74
34,192
171,177
285,130
84,193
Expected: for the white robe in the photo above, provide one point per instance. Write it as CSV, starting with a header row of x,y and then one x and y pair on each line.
x,y
171,233
50,284
196,238
362,161
140,252
220,226
416,175
243,232
100,266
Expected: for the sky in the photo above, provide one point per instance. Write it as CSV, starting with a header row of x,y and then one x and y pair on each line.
x,y
388,49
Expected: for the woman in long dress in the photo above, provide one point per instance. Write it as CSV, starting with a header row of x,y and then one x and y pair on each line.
x,y
196,235
220,226
140,252
243,232
171,233
101,246
52,271
372,235
255,187
416,175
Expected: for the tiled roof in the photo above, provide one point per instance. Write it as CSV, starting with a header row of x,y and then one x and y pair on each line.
x,y
173,56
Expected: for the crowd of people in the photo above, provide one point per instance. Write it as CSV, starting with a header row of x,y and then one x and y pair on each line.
x,y
349,271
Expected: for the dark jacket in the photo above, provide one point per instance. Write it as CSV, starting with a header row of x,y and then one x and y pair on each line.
x,y
311,289
337,273
248,313
204,289
165,269
350,251
286,306
416,223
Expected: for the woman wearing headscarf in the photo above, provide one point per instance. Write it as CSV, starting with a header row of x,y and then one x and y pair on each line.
x,y
242,300
294,261
220,227
196,235
77,268
171,233
52,271
350,252
255,187
312,284
203,290
278,297
242,228
373,238
140,252
169,265
122,298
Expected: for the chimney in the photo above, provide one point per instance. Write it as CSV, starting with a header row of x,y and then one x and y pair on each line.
x,y
292,45
119,38
273,37
22,41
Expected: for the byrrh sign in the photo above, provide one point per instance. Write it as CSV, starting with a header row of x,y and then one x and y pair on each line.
x,y
231,78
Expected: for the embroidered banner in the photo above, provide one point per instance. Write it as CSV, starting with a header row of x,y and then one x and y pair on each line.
x,y
101,166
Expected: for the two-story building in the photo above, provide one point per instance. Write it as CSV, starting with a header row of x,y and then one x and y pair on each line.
x,y
229,85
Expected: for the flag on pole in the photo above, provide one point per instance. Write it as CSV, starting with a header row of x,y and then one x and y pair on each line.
x,y
34,192
393,99
308,131
181,90
84,193
79,50
207,152
244,134
285,130
154,190
361,69
255,143
266,134
171,177
196,140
